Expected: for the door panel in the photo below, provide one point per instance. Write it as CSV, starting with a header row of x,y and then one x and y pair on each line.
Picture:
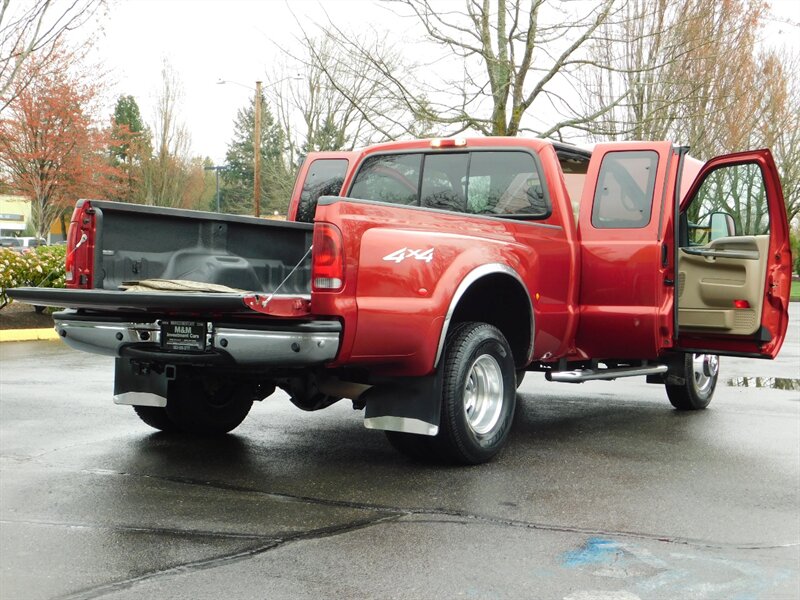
x,y
622,266
733,291
725,273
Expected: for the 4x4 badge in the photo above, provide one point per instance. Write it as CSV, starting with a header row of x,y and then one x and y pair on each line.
x,y
399,256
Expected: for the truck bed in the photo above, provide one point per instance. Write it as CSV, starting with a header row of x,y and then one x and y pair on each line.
x,y
135,242
143,242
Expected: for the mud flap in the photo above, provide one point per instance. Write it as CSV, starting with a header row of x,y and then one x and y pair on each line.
x,y
141,384
407,405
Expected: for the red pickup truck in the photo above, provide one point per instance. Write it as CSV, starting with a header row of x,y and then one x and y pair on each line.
x,y
421,280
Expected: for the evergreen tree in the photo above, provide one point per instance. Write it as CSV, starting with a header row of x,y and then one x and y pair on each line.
x,y
237,191
130,146
329,136
128,124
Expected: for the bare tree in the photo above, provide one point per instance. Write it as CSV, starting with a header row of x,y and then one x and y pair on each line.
x,y
313,94
777,109
35,27
166,174
691,71
490,64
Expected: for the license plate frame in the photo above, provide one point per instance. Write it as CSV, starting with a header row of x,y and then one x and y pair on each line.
x,y
184,336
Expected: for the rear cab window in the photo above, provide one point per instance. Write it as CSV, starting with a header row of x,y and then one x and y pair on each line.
x,y
325,177
389,178
481,182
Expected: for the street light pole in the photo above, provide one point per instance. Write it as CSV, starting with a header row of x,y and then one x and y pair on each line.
x,y
257,154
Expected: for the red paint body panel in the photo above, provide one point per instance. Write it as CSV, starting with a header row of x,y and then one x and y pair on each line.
x,y
279,306
621,279
400,306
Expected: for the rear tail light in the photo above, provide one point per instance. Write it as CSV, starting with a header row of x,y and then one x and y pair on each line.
x,y
741,304
79,261
327,259
72,239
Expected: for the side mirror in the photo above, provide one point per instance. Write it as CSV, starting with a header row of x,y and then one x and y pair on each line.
x,y
722,225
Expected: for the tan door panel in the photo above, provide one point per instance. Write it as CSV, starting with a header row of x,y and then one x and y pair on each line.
x,y
712,277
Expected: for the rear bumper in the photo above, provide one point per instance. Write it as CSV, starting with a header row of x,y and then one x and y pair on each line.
x,y
292,344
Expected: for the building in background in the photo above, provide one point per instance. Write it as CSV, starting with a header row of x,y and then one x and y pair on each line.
x,y
15,214
15,217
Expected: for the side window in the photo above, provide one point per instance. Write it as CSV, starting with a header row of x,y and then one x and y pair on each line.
x,y
443,181
505,183
623,198
323,178
478,182
731,200
388,178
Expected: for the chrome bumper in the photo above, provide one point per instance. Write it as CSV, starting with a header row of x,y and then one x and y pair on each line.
x,y
295,345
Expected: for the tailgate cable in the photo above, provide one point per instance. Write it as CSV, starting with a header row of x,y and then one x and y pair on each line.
x,y
80,243
285,279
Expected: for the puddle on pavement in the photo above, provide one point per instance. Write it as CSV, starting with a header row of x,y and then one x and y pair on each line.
x,y
774,383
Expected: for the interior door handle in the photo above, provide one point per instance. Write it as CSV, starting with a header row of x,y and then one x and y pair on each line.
x,y
710,253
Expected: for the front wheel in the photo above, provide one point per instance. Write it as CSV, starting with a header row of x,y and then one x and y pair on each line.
x,y
700,372
478,394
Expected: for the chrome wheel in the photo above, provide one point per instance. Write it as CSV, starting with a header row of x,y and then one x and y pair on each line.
x,y
699,373
704,369
483,394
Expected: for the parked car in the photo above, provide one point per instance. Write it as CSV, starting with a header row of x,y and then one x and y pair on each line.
x,y
21,244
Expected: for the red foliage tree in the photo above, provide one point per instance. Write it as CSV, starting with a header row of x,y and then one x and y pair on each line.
x,y
50,149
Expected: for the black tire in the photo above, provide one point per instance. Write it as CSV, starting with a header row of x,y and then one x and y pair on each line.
x,y
701,372
208,406
415,447
478,394
156,417
520,377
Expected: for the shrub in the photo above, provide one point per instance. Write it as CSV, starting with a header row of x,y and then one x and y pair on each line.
x,y
42,267
794,242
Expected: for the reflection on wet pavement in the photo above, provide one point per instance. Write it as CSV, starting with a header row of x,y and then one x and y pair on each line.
x,y
775,383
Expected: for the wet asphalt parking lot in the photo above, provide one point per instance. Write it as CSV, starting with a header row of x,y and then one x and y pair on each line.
x,y
603,493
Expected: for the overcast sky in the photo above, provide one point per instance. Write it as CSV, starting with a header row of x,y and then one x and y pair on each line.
x,y
208,40
238,40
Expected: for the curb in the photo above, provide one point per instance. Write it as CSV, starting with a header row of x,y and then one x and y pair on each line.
x,y
27,335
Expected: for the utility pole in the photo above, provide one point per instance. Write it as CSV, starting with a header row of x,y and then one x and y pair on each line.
x,y
257,154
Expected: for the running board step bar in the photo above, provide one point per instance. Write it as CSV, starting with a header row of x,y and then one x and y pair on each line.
x,y
581,375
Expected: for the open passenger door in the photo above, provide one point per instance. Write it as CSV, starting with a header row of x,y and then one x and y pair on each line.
x,y
733,259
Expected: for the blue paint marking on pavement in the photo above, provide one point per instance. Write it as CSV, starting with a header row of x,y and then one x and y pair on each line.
x,y
676,574
594,551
